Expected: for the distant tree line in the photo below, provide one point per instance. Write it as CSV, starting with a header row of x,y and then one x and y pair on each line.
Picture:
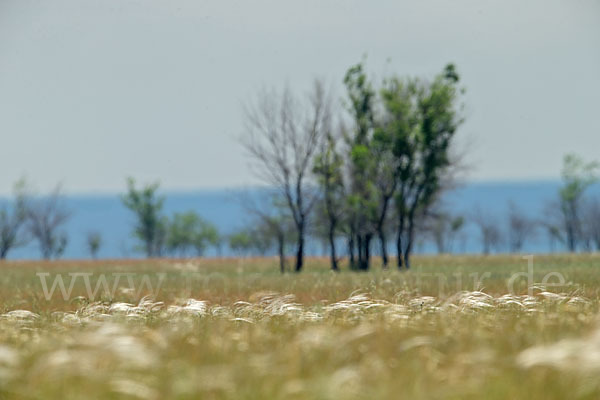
x,y
359,179
571,220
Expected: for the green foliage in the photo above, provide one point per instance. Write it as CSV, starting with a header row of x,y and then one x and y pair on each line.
x,y
328,168
400,149
241,242
94,242
12,220
151,226
362,97
422,118
328,165
577,176
189,231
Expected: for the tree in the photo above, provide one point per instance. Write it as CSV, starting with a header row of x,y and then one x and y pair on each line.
x,y
262,238
188,231
422,119
272,222
182,232
591,224
577,176
208,237
490,234
45,216
241,242
328,167
362,198
520,228
13,219
151,226
554,235
443,228
93,243
282,135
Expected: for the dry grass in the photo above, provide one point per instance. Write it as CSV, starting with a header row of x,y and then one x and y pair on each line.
x,y
220,329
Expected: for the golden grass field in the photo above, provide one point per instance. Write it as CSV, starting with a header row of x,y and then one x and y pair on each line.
x,y
451,328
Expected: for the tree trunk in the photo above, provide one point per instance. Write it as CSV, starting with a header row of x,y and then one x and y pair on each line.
x,y
364,244
359,245
383,242
571,239
281,252
351,250
380,230
367,251
399,252
409,243
334,265
300,248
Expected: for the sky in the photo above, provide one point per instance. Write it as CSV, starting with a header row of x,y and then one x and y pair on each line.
x,y
93,91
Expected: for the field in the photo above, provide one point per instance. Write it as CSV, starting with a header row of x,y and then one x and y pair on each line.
x,y
499,327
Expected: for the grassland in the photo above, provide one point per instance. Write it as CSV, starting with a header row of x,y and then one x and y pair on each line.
x,y
451,328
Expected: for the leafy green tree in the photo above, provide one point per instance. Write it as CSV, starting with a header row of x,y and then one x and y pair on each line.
x,y
13,219
151,226
207,236
261,239
93,243
241,242
423,118
362,198
188,231
181,233
385,178
577,176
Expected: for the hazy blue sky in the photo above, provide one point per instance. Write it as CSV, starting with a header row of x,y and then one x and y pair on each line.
x,y
94,90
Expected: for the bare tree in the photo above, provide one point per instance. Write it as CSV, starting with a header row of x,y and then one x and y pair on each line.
x,y
520,228
273,222
12,221
282,135
45,216
490,234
